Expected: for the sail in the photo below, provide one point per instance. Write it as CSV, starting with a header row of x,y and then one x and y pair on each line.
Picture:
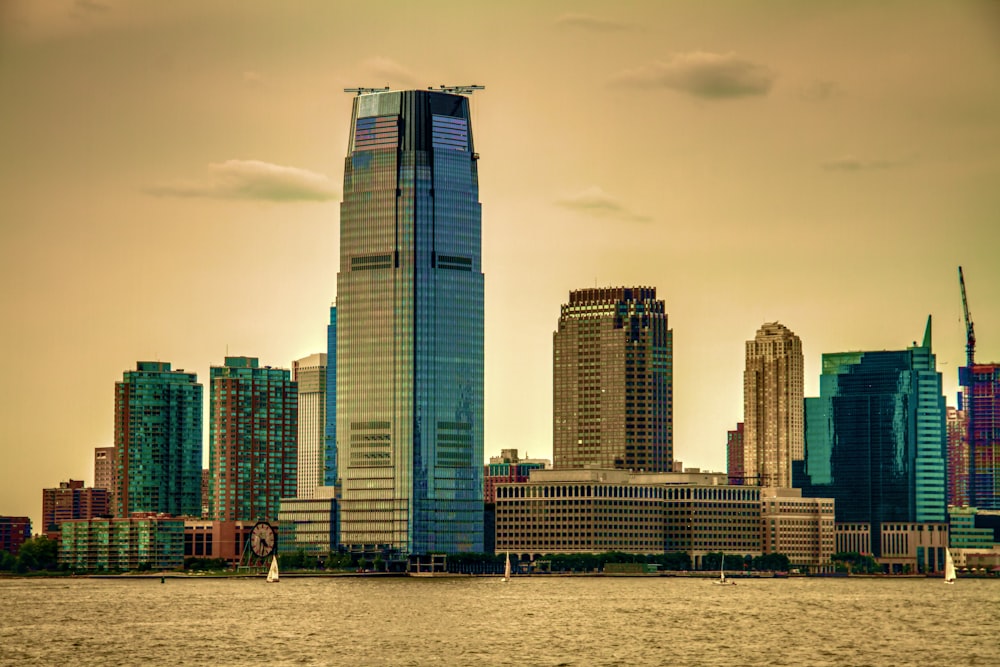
x,y
949,567
506,568
272,574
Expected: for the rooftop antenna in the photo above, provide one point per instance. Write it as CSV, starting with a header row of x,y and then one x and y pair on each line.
x,y
364,91
459,90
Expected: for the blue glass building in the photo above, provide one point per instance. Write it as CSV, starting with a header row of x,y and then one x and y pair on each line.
x,y
409,363
158,440
330,448
875,437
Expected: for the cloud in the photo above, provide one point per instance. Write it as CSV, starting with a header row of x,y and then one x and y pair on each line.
x,y
85,8
388,69
708,75
588,22
599,203
851,163
253,179
820,91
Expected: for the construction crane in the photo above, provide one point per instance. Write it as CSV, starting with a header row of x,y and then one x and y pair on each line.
x,y
970,331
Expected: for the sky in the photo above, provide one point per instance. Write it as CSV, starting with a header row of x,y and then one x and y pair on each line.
x,y
171,173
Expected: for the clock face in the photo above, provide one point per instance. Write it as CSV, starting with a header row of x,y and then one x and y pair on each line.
x,y
262,540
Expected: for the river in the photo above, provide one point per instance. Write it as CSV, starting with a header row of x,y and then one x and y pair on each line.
x,y
481,621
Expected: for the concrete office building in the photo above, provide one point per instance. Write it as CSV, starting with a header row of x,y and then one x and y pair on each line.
x,y
310,373
612,397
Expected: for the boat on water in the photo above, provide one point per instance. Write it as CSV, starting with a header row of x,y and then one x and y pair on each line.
x,y
272,574
506,569
949,567
722,581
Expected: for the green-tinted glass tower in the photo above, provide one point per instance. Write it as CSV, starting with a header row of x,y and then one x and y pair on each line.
x,y
876,439
253,440
409,328
158,420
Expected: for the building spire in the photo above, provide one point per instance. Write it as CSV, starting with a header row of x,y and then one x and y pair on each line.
x,y
927,334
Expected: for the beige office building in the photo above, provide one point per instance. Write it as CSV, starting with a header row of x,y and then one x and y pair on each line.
x,y
773,411
310,374
613,381
800,528
594,511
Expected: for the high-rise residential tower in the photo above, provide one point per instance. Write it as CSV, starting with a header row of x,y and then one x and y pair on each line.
x,y
158,421
310,375
981,384
772,406
613,381
253,440
875,437
409,328
104,473
957,429
734,455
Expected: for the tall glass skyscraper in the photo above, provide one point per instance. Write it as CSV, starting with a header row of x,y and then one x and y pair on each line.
x,y
409,328
310,375
876,439
612,399
158,418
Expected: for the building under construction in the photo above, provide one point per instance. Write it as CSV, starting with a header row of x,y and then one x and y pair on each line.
x,y
981,402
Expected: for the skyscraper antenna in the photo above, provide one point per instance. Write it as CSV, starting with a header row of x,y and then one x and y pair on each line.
x,y
364,91
459,90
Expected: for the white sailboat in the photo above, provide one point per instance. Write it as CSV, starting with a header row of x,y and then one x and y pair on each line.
x,y
506,569
272,574
722,581
949,567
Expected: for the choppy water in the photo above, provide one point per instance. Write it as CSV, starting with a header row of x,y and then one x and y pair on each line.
x,y
479,621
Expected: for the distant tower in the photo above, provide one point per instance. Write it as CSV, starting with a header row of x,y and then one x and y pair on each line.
x,y
253,440
158,422
734,455
310,374
613,381
957,425
104,472
772,406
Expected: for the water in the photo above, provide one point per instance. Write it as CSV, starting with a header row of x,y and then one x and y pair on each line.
x,y
480,621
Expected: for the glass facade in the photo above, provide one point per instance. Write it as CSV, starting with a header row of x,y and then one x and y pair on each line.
x,y
875,437
158,440
253,440
409,328
330,444
613,381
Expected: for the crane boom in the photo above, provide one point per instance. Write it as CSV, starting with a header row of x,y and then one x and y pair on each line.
x,y
970,331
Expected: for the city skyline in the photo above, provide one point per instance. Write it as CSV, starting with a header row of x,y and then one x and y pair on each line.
x,y
752,165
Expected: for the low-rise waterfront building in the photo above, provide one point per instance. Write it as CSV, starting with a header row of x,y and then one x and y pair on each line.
x,y
508,468
800,528
593,511
308,524
72,500
14,530
141,541
962,531
205,538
